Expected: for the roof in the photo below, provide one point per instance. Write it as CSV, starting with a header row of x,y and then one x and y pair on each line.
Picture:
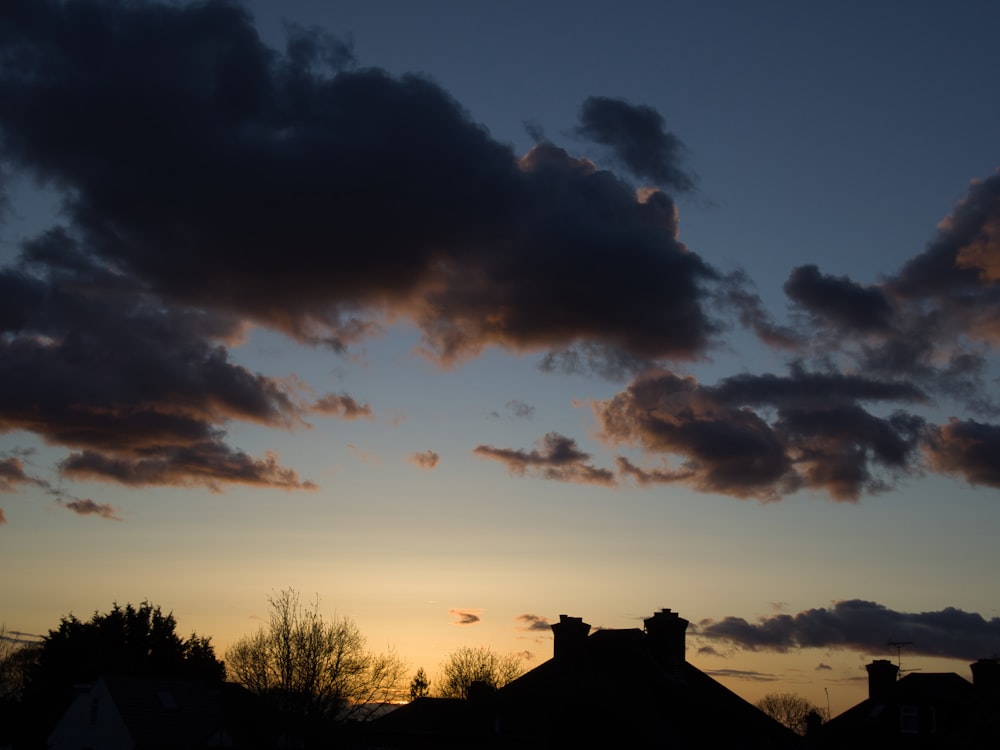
x,y
165,713
613,688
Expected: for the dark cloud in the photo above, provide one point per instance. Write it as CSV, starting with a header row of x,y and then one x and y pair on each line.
x,y
534,623
426,460
821,667
765,435
863,626
139,388
557,457
322,201
88,507
966,448
637,137
3,518
841,301
465,617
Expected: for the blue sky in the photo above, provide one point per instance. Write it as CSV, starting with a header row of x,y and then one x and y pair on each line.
x,y
815,152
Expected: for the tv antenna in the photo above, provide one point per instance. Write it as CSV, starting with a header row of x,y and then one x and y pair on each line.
x,y
898,645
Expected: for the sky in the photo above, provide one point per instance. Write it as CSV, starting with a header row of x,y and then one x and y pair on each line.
x,y
457,317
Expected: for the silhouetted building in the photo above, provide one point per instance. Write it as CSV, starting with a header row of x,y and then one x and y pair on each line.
x,y
920,710
611,688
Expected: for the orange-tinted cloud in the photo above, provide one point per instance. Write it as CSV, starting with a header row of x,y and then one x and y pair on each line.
x,y
534,623
87,507
426,460
341,405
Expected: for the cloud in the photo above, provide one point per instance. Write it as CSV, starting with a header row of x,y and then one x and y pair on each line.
x,y
821,667
557,457
341,405
385,199
3,518
534,623
426,460
743,674
520,409
859,625
637,138
12,473
839,300
966,448
765,436
465,617
88,507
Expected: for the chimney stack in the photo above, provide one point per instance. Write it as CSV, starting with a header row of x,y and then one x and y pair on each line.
x,y
666,631
986,679
881,678
569,635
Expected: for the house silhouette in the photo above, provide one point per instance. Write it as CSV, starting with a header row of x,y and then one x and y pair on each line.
x,y
609,688
920,710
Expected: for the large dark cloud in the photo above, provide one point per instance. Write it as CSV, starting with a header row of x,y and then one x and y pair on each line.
x,y
227,175
863,626
766,435
967,448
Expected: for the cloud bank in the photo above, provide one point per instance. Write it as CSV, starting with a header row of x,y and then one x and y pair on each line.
x,y
865,626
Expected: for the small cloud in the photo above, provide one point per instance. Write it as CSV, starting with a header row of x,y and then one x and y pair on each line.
x,y
526,655
87,507
779,606
823,667
534,622
427,460
709,651
557,457
341,405
520,409
3,518
465,616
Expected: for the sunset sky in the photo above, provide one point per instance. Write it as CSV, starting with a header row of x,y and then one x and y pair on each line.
x,y
463,315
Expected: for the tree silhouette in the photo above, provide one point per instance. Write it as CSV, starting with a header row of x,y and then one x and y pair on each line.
x,y
135,641
790,709
313,671
419,685
467,666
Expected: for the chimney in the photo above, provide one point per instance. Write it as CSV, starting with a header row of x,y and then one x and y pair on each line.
x,y
986,678
569,633
666,629
881,679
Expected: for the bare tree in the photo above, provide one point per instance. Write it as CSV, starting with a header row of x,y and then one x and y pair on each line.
x,y
16,658
469,665
312,668
790,709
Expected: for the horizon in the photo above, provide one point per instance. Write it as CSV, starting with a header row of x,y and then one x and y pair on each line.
x,y
463,317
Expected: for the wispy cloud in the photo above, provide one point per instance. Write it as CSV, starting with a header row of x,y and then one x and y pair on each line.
x,y
534,623
88,507
427,460
465,616
557,457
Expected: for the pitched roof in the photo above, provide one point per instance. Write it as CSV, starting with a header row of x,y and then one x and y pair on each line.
x,y
165,713
613,688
